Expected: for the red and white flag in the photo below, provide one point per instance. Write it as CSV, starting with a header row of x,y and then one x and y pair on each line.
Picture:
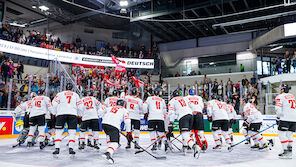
x,y
120,65
138,82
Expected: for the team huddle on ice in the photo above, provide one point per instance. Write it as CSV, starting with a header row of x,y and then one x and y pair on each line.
x,y
67,107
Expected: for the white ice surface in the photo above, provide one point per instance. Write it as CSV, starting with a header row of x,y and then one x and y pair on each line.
x,y
241,156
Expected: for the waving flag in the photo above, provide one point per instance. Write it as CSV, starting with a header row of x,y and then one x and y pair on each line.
x,y
108,81
138,82
120,65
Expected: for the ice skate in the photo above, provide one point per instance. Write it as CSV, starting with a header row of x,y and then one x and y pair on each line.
x,y
56,153
96,145
154,147
108,157
136,146
82,146
264,147
196,151
42,145
285,155
255,147
128,145
217,148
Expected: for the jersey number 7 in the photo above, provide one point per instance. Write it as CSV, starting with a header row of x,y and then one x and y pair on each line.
x,y
292,103
69,99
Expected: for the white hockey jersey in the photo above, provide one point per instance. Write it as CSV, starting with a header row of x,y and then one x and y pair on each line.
x,y
66,103
23,108
251,114
134,106
195,103
115,116
90,108
41,105
217,110
111,101
286,107
156,108
230,111
178,108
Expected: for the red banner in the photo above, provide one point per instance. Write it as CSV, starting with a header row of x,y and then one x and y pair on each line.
x,y
6,126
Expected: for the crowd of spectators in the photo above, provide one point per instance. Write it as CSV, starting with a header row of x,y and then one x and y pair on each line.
x,y
36,38
284,65
11,70
246,88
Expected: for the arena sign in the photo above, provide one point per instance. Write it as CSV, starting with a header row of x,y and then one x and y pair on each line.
x,y
47,54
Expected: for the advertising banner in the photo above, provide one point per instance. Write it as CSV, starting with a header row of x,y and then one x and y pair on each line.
x,y
47,54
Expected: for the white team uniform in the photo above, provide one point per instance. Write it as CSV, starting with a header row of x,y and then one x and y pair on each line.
x,y
230,111
157,112
134,105
254,117
111,101
156,108
23,108
195,103
40,106
65,103
66,110
251,114
286,107
178,108
286,112
115,115
89,110
217,111
112,119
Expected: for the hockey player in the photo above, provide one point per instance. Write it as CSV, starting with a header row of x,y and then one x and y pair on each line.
x,y
156,108
286,113
89,108
41,106
218,114
66,109
111,101
253,119
23,108
112,119
196,104
231,115
134,106
179,108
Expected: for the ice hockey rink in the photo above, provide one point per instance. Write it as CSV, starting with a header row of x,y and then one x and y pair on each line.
x,y
240,156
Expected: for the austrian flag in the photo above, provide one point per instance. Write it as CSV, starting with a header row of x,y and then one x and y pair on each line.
x,y
138,82
120,65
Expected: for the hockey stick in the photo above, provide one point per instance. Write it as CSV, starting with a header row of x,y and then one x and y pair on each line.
x,y
176,138
252,136
155,140
160,158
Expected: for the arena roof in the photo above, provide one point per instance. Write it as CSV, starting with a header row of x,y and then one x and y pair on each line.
x,y
208,17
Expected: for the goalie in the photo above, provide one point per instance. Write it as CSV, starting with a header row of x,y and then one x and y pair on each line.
x,y
23,108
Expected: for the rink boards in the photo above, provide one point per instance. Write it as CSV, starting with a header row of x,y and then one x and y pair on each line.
x,y
8,128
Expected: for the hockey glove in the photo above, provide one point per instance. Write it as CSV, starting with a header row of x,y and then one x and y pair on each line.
x,y
210,119
277,120
146,117
234,121
129,136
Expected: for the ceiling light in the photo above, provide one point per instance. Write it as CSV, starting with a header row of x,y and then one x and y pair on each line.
x,y
123,3
276,48
17,25
34,7
44,8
